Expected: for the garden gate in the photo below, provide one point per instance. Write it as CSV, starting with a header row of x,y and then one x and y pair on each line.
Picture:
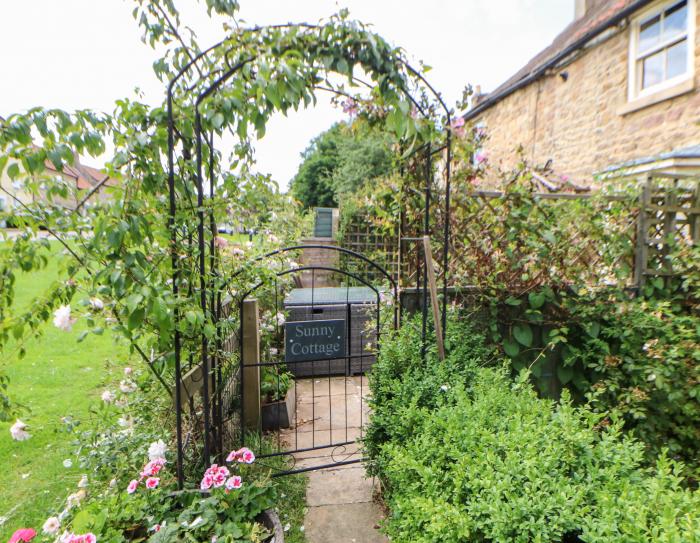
x,y
315,346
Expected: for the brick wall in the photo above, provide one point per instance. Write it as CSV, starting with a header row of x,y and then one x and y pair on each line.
x,y
579,124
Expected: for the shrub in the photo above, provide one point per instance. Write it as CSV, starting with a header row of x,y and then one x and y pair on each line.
x,y
485,459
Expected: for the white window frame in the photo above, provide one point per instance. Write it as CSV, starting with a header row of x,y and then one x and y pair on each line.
x,y
635,92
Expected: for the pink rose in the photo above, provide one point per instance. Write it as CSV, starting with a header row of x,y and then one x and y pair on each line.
x,y
23,534
133,485
457,127
152,482
234,483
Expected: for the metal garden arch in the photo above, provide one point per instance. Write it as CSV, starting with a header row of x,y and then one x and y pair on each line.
x,y
208,85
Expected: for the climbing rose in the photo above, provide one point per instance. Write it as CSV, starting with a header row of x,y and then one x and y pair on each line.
x,y
23,534
234,483
349,107
127,386
457,127
19,431
152,482
133,484
51,526
62,320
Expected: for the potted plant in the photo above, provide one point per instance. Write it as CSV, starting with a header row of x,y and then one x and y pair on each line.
x,y
278,399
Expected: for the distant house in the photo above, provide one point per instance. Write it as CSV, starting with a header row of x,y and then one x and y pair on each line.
x,y
616,91
82,180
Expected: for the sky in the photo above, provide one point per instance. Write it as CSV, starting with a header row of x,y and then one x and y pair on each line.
x,y
77,54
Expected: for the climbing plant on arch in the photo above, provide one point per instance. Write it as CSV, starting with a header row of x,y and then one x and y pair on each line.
x,y
152,253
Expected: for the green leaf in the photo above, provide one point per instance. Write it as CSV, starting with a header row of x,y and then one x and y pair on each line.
x,y
136,318
13,171
523,333
511,347
536,299
593,329
218,120
513,301
565,373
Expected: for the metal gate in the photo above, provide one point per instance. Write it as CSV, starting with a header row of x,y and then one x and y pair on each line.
x,y
317,344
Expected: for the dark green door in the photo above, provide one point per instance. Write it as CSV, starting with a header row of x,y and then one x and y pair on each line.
x,y
323,227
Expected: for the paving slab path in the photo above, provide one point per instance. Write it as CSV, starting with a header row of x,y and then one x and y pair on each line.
x,y
340,499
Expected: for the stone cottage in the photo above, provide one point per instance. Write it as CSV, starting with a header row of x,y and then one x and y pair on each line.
x,y
616,91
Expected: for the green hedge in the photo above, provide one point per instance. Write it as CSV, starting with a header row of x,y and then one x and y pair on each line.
x,y
466,454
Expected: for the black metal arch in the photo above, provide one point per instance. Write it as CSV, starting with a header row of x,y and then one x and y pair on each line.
x,y
220,78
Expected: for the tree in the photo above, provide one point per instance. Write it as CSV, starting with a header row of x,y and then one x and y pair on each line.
x,y
340,161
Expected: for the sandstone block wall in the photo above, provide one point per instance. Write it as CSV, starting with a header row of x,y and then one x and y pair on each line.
x,y
578,123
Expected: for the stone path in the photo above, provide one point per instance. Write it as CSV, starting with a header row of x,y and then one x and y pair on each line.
x,y
341,506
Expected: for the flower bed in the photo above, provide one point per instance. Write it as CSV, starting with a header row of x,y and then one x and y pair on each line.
x,y
466,454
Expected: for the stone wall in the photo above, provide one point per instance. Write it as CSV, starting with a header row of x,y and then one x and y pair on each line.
x,y
581,123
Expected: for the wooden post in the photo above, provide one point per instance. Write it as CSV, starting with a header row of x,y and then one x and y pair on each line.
x,y
432,285
641,249
251,366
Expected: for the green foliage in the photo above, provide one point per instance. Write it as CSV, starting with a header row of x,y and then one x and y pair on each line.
x,y
129,245
640,359
485,459
340,161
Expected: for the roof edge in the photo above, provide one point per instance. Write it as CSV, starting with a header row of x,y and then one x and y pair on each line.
x,y
567,51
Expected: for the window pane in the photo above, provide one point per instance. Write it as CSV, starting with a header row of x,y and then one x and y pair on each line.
x,y
676,20
677,59
653,70
649,33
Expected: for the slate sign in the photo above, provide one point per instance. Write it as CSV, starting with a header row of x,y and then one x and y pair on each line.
x,y
314,340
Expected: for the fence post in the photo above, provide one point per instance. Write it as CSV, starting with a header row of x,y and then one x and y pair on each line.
x,y
251,366
641,253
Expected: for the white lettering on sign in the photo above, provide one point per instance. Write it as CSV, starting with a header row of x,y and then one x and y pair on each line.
x,y
315,340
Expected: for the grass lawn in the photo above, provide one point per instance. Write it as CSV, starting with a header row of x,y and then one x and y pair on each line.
x,y
58,377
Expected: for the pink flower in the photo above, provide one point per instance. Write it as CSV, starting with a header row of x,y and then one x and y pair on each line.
x,y
23,534
220,242
152,482
153,467
246,455
128,371
480,157
155,528
232,456
457,127
349,107
133,485
84,538
234,483
207,482
219,478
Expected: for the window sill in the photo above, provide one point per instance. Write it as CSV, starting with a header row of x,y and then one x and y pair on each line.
x,y
660,96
